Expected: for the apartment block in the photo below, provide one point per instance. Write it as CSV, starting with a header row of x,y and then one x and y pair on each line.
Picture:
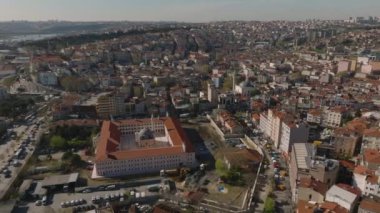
x,y
305,163
111,104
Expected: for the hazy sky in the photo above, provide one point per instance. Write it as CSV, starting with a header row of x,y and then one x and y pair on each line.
x,y
185,10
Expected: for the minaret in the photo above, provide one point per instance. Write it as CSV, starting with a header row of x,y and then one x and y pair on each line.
x,y
233,82
31,64
151,122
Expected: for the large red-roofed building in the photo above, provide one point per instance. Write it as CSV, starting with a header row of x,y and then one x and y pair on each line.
x,y
142,146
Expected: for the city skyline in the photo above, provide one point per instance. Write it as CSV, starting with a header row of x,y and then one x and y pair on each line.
x,y
181,10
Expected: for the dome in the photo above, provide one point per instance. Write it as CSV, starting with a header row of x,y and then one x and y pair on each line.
x,y
145,134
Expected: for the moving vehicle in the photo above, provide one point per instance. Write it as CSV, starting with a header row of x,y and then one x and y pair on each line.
x,y
44,200
111,187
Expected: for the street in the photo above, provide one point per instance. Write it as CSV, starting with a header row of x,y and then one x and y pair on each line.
x,y
8,150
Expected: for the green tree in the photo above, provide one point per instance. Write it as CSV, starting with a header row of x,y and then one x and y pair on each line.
x,y
269,205
58,142
220,167
228,83
71,161
255,92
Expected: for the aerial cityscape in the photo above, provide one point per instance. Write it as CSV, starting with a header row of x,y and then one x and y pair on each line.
x,y
190,106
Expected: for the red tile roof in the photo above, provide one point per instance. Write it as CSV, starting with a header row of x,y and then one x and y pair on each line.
x,y
370,205
108,147
352,189
318,186
372,156
372,133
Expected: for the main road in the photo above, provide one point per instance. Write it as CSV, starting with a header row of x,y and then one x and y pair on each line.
x,y
8,149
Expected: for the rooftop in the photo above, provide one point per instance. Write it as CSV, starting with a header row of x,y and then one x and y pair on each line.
x,y
372,156
370,205
111,145
342,194
302,152
60,179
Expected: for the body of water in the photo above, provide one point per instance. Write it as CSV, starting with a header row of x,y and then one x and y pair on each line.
x,y
28,37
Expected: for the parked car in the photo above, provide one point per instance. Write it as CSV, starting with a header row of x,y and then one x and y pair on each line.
x,y
111,187
86,191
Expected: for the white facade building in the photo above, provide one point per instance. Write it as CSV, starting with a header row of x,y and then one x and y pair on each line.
x,y
367,181
293,133
282,130
332,117
342,197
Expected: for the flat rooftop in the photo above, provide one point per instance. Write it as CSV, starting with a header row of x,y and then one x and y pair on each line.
x,y
302,151
94,99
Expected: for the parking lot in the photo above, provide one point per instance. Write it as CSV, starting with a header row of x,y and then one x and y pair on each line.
x,y
88,198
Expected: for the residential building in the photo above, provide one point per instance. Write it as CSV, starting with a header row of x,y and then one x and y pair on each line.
x,y
371,158
313,190
333,117
229,123
283,129
244,88
212,95
7,69
369,206
3,93
312,207
343,197
141,146
371,139
305,163
343,66
292,132
314,116
366,180
346,142
245,159
270,125
111,104
47,78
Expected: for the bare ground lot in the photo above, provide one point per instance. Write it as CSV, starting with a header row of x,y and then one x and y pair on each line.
x,y
208,146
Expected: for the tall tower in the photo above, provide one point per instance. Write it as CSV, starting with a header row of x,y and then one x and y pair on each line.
x,y
31,64
211,93
233,82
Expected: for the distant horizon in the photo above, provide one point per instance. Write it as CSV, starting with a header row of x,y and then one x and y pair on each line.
x,y
195,11
174,21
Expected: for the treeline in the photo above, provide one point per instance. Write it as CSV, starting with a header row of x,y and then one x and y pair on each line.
x,y
15,106
60,42
65,138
